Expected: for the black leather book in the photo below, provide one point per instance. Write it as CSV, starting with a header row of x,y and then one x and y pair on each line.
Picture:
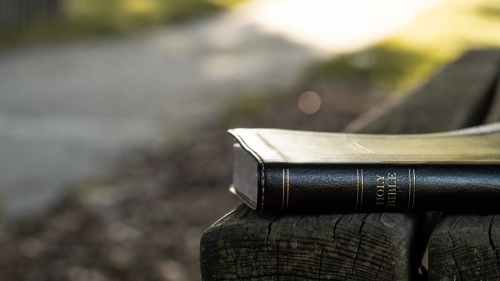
x,y
298,171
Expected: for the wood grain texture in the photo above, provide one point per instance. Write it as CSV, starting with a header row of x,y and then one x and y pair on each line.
x,y
465,247
494,107
296,247
457,96
247,245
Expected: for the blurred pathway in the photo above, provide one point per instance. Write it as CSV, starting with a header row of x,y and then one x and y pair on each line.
x,y
68,111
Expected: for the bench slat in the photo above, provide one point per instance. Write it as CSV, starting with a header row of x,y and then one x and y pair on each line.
x,y
458,96
247,245
253,245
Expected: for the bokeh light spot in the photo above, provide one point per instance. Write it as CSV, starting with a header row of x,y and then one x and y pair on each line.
x,y
309,102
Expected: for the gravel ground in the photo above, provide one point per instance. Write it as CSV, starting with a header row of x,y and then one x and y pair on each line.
x,y
144,221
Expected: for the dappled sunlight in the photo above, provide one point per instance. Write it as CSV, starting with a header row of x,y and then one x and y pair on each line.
x,y
447,32
116,14
408,57
227,3
336,26
141,7
453,27
152,11
82,18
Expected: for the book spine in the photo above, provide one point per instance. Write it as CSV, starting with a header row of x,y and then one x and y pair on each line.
x,y
381,188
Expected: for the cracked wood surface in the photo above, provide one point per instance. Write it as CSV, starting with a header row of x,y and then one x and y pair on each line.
x,y
259,246
247,245
465,247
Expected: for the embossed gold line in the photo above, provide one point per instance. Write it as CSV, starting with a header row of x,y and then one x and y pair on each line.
x,y
357,188
287,187
362,189
283,188
414,186
409,188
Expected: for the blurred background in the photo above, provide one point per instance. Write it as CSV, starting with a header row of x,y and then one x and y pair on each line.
x,y
113,151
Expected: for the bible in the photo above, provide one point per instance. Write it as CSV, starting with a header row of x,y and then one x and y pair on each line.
x,y
298,171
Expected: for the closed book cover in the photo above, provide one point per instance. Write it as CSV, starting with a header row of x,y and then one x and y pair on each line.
x,y
299,171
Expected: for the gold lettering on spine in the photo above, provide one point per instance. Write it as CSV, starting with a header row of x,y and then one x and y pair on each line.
x,y
386,188
414,186
391,189
380,192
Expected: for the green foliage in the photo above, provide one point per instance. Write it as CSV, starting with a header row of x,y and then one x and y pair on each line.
x,y
409,57
252,104
81,18
384,66
123,15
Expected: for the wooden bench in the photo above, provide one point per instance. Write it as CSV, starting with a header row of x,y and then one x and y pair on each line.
x,y
248,245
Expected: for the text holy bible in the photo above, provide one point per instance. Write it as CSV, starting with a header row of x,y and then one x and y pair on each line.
x,y
298,171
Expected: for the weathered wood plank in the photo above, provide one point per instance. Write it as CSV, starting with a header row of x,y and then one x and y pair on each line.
x,y
259,246
457,96
252,245
494,109
465,247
